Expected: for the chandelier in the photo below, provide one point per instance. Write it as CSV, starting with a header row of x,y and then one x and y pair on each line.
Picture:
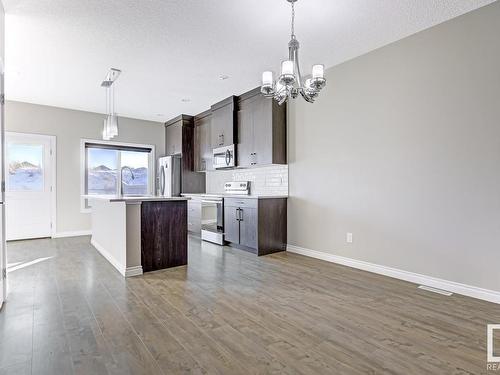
x,y
110,126
290,83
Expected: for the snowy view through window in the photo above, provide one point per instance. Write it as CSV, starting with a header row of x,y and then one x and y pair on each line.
x,y
103,169
25,167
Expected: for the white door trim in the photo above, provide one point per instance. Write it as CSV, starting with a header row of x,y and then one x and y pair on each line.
x,y
53,165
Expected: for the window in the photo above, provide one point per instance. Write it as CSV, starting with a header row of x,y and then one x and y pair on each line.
x,y
108,165
25,163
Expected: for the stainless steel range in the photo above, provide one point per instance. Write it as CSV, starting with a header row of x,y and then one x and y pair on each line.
x,y
212,205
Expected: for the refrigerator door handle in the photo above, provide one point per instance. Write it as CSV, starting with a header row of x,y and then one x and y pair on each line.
x,y
162,180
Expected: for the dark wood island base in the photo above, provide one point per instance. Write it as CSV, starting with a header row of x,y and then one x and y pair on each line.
x,y
163,235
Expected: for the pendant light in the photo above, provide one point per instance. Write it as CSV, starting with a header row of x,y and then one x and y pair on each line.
x,y
110,124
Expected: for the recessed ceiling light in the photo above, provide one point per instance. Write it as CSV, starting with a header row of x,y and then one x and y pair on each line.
x,y
224,77
185,100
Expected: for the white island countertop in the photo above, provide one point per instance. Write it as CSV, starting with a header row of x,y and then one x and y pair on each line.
x,y
131,198
237,196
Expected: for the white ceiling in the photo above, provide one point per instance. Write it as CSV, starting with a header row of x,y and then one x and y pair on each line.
x,y
58,51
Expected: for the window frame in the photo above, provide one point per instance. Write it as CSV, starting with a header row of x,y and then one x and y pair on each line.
x,y
84,208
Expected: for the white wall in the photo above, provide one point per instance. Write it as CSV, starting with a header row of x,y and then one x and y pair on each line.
x,y
403,150
69,127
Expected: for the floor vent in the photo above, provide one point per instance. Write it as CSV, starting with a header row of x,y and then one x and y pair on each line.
x,y
435,290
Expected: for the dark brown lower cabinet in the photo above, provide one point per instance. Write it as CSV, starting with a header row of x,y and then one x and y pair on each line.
x,y
248,227
231,224
163,234
256,225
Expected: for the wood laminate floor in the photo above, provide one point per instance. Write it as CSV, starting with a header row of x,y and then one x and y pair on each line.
x,y
228,312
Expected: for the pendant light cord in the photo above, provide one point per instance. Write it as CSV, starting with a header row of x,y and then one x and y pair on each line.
x,y
293,19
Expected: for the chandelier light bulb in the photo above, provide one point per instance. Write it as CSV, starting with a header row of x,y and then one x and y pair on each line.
x,y
318,71
287,67
267,79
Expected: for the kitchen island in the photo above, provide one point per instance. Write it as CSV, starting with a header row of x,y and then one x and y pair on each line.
x,y
140,234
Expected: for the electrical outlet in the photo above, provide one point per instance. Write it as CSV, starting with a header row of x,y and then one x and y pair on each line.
x,y
348,237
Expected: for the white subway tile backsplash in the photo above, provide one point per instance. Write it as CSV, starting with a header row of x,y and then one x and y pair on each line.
x,y
269,180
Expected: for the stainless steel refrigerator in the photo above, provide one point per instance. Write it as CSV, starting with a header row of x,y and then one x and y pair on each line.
x,y
169,176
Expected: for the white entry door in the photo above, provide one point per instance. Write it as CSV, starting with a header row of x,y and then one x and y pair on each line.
x,y
29,172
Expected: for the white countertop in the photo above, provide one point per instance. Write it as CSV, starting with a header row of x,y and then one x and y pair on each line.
x,y
238,196
116,198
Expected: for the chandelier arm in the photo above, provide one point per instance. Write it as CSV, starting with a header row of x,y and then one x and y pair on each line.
x,y
306,97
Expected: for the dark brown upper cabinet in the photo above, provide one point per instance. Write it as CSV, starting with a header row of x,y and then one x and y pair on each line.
x,y
179,139
203,153
173,141
223,123
261,130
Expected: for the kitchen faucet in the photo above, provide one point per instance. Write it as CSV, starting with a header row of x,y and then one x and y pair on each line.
x,y
121,178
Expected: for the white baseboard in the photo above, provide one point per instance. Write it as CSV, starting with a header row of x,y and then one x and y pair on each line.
x,y
75,233
120,267
466,290
133,271
125,271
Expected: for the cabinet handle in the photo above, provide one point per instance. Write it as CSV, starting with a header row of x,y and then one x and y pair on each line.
x,y
237,214
241,214
253,158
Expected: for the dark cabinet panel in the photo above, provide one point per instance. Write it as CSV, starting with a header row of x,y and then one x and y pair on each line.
x,y
248,227
179,139
223,123
261,125
163,235
231,224
203,145
245,137
263,131
256,225
174,138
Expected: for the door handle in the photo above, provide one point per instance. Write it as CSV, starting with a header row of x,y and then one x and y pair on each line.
x,y
241,214
162,185
238,216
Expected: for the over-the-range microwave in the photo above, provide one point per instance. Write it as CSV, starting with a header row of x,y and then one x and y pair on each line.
x,y
224,157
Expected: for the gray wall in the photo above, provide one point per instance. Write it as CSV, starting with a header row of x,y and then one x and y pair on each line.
x,y
69,127
403,150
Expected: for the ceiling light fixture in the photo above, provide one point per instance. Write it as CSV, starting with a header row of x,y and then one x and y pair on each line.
x,y
110,126
290,83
